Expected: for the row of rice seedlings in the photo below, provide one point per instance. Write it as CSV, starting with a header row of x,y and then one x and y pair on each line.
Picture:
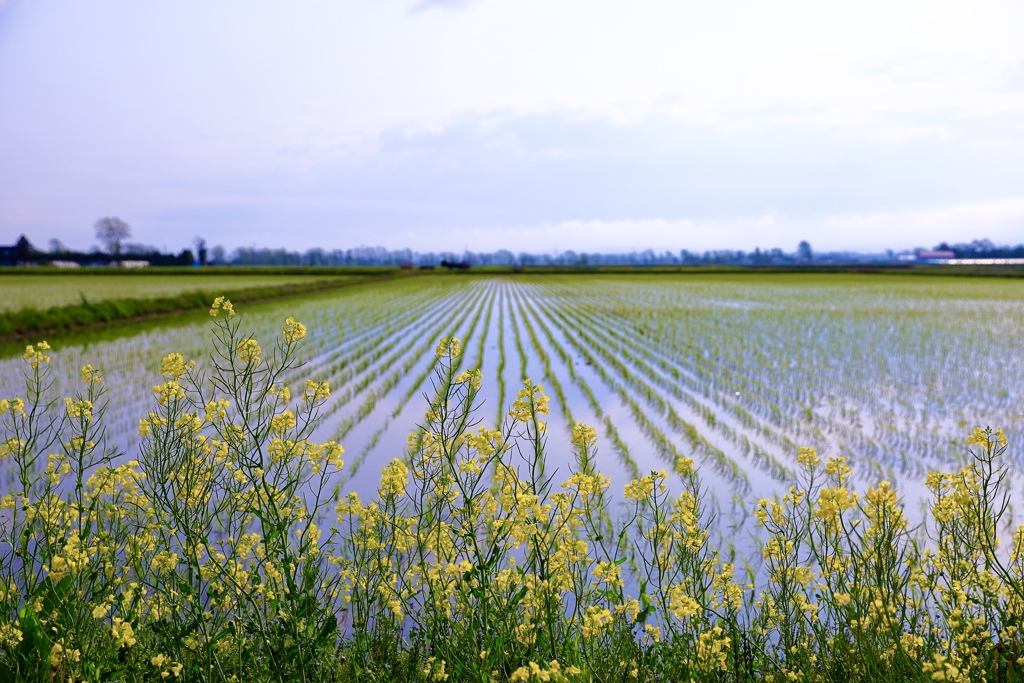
x,y
618,445
759,331
662,445
476,304
813,431
391,313
492,294
614,344
520,350
500,370
612,322
384,318
550,378
394,379
457,360
703,449
736,411
383,355
722,376
428,370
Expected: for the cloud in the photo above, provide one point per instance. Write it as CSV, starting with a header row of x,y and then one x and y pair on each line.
x,y
504,180
1001,221
426,5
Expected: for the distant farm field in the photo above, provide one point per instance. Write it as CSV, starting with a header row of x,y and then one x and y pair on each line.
x,y
44,291
735,371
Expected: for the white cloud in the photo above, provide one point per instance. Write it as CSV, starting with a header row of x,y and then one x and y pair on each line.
x,y
1001,221
425,5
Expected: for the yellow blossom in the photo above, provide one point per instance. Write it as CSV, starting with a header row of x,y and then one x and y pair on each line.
x,y
584,437
221,304
34,354
81,408
283,422
174,365
293,330
249,351
807,456
393,478
90,375
123,633
317,391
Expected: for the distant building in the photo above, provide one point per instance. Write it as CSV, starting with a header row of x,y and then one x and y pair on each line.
x,y
935,255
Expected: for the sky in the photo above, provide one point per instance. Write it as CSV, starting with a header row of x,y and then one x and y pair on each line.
x,y
529,125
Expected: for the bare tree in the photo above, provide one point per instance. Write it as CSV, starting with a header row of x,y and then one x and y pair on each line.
x,y
112,231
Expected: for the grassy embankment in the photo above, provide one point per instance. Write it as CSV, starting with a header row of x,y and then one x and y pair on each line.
x,y
37,300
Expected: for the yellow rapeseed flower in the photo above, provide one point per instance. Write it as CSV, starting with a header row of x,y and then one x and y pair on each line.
x,y
280,424
293,330
474,378
393,478
222,304
249,351
168,391
317,391
584,437
174,365
90,375
807,457
34,354
448,346
124,634
10,635
82,408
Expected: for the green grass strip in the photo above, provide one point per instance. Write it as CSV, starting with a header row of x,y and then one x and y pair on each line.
x,y
33,324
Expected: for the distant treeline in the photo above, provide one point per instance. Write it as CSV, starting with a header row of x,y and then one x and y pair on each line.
x,y
983,249
379,256
24,253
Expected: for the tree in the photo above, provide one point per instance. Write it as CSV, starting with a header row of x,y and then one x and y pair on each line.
x,y
200,250
112,231
23,250
804,253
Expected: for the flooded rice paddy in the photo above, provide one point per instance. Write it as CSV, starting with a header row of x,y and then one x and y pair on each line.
x,y
734,371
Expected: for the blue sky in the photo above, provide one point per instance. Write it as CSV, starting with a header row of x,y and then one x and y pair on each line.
x,y
534,125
